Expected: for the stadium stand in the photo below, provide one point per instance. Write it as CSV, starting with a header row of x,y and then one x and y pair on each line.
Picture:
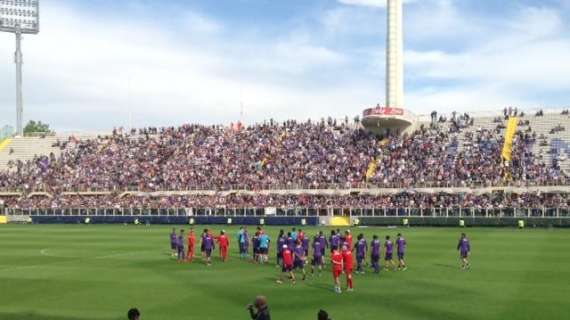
x,y
324,168
25,149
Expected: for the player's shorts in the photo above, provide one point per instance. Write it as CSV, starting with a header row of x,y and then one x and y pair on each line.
x,y
287,268
263,250
256,250
173,246
400,255
317,260
298,264
360,258
375,258
464,254
306,252
208,252
180,253
388,257
279,255
336,273
202,247
323,251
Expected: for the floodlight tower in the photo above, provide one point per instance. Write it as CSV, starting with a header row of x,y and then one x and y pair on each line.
x,y
395,56
19,17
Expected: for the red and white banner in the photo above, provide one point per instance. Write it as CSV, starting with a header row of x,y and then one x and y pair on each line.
x,y
384,111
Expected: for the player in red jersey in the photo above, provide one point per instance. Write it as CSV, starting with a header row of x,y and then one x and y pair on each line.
x,y
300,235
191,245
224,243
348,238
336,259
348,265
287,267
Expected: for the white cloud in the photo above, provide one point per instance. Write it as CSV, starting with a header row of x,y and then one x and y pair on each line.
x,y
517,64
82,72
87,73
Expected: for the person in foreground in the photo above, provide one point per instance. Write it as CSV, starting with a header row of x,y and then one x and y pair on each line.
x,y
134,314
262,312
464,248
323,315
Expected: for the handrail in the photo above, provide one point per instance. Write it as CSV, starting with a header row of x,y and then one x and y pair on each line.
x,y
300,211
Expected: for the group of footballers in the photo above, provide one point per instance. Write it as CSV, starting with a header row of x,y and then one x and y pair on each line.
x,y
292,251
183,248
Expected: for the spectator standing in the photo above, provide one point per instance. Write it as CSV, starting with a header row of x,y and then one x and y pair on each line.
x,y
261,311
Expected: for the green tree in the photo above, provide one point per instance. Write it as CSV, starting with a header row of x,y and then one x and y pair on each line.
x,y
36,127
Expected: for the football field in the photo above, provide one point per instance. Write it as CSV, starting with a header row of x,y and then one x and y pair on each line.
x,y
100,271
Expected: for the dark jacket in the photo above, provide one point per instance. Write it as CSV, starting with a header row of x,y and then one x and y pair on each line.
x,y
262,314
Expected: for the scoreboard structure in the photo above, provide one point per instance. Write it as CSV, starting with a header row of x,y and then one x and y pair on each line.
x,y
19,17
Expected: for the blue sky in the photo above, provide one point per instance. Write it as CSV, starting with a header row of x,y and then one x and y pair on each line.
x,y
99,64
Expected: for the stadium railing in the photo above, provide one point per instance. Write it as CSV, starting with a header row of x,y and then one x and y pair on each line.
x,y
562,185
379,212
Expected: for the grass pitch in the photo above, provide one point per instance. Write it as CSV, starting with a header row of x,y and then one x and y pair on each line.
x,y
99,272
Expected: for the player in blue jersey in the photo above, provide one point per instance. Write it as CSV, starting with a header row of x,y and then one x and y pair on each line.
x,y
464,249
264,241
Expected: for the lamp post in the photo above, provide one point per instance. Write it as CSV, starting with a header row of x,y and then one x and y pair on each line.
x,y
19,17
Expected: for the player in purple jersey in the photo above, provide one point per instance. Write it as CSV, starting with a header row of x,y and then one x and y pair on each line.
x,y
334,239
375,253
306,242
317,262
299,258
464,248
290,242
324,243
401,244
174,242
245,243
281,240
389,247
361,247
202,237
209,246
180,247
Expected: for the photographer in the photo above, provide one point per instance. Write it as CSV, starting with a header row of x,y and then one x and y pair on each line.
x,y
262,310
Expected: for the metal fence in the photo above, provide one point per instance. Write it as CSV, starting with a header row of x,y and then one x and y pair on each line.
x,y
451,212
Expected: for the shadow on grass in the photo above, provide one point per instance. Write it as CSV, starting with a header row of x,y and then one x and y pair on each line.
x,y
448,266
36,316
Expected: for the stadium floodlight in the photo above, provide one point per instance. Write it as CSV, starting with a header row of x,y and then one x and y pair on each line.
x,y
19,17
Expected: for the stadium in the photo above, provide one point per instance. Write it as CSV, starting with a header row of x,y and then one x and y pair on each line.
x,y
84,217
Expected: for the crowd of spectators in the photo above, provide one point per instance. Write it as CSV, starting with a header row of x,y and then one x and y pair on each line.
x,y
271,155
557,128
399,200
